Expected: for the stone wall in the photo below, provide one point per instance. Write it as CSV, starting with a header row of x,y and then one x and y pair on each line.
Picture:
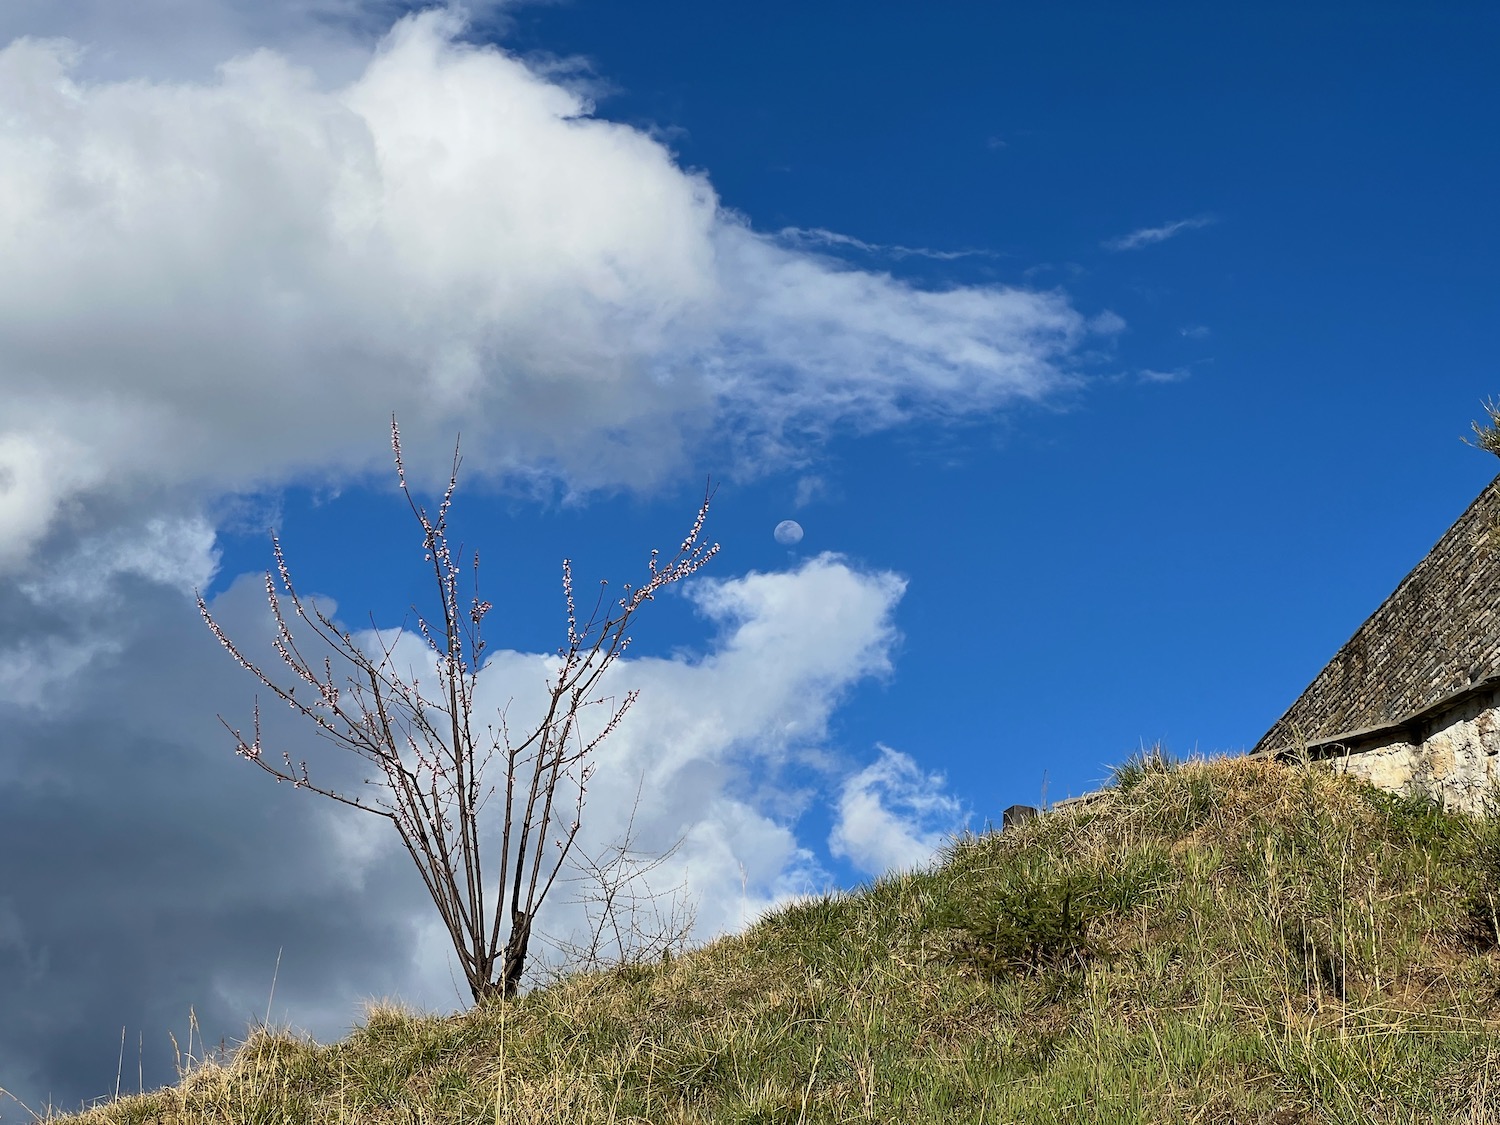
x,y
1452,755
1436,635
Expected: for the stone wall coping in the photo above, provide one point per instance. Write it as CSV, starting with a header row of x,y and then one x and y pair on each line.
x,y
1365,733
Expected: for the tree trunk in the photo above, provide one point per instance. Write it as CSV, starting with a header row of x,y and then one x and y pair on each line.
x,y
515,953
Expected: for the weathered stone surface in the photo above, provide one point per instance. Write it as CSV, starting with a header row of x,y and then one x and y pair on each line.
x,y
1391,767
1452,755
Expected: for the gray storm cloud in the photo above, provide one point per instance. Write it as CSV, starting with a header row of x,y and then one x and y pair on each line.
x,y
222,285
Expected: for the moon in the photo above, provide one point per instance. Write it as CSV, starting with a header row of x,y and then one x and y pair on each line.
x,y
788,532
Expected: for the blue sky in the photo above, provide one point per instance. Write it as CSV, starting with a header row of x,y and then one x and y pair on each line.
x,y
1114,365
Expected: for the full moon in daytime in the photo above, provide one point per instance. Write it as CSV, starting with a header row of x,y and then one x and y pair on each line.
x,y
788,532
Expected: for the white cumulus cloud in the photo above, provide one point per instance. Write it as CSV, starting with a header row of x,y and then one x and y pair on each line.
x,y
222,284
892,816
716,742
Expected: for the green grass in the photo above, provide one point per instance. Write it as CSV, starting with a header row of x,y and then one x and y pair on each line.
x,y
1220,942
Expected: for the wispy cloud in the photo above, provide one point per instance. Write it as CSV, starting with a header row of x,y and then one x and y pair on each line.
x,y
811,488
1149,236
817,236
1176,375
1067,271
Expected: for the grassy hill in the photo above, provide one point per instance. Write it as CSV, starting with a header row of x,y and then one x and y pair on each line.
x,y
1230,941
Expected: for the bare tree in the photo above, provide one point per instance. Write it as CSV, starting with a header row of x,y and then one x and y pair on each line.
x,y
433,757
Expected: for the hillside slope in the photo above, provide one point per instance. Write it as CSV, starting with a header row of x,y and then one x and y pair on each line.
x,y
1226,941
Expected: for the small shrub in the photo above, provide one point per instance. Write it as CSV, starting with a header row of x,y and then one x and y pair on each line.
x,y
1029,923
